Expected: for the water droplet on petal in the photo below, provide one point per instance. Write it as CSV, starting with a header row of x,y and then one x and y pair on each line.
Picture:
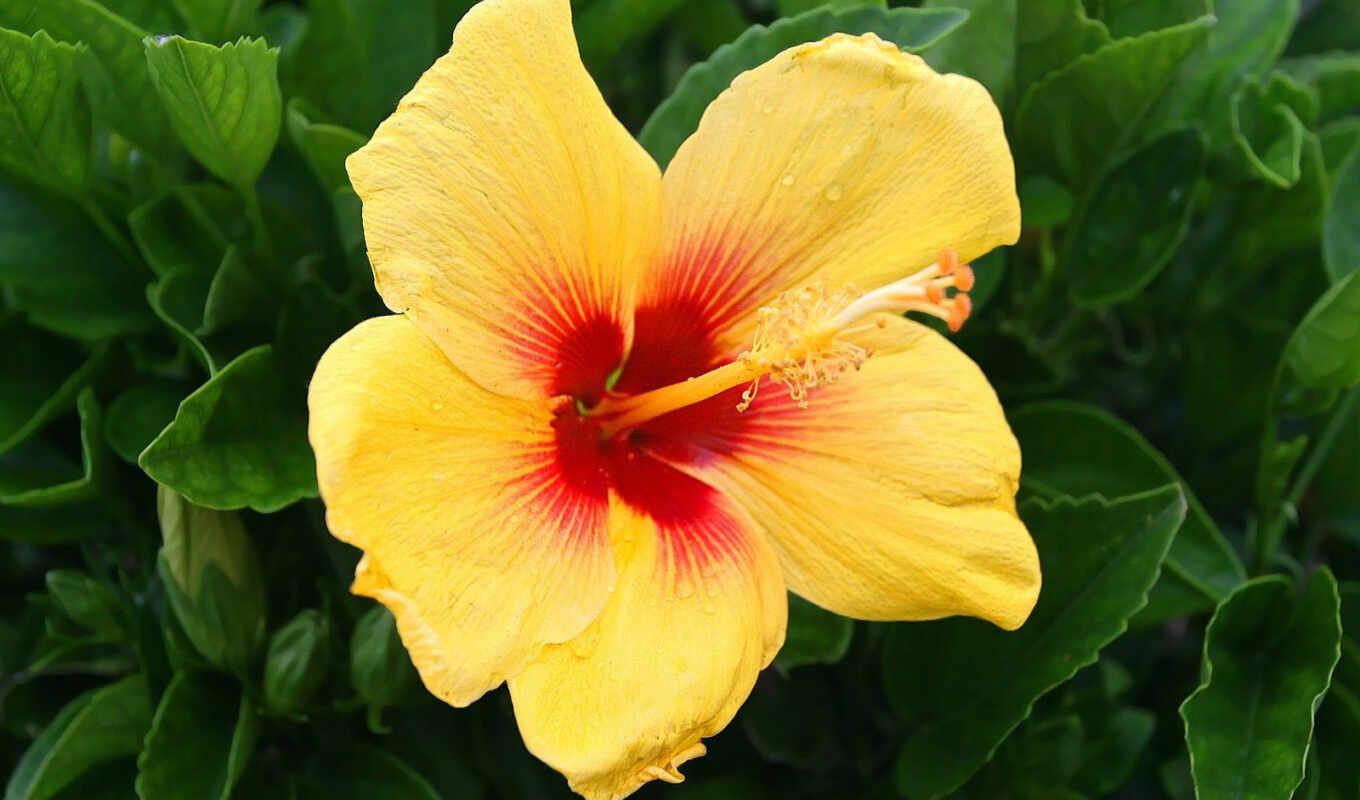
x,y
710,608
788,179
684,589
768,108
834,192
436,405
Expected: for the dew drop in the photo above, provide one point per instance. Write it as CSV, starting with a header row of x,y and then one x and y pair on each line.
x,y
711,588
710,608
436,405
834,192
788,179
768,107
684,589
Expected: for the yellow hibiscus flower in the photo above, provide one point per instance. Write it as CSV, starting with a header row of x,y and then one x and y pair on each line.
x,y
554,457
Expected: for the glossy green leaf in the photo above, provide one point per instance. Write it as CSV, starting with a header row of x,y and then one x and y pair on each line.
x,y
44,119
95,728
1268,659
358,57
224,102
239,293
1133,17
605,27
1073,121
41,376
1324,350
1341,225
178,300
138,415
1130,226
365,773
1076,449
64,274
678,116
324,146
188,229
219,20
1044,203
34,491
1115,752
814,635
239,440
992,21
964,684
115,74
773,718
200,740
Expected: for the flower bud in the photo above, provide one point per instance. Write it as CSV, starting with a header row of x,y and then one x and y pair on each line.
x,y
379,667
295,667
212,578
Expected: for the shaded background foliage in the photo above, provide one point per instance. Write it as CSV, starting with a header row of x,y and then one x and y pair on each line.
x,y
1176,338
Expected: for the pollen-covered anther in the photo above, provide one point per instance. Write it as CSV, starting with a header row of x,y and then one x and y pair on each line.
x,y
796,342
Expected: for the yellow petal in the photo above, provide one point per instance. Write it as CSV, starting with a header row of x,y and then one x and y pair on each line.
x,y
482,546
506,211
699,611
845,160
892,496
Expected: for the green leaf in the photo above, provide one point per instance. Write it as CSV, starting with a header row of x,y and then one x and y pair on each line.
x,y
1051,34
1250,36
1339,140
1335,77
1268,135
200,740
1115,753
237,294
814,635
44,120
42,376
64,274
1341,224
364,773
91,604
775,715
219,20
603,27
32,489
239,440
324,146
189,229
965,685
178,300
44,496
1074,120
115,74
224,102
379,668
1133,17
990,21
1044,203
1268,659
358,57
1134,220
1324,351
95,728
1076,449
678,116
1277,222
138,415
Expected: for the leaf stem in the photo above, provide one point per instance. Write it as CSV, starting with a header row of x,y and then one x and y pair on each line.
x,y
111,231
1273,532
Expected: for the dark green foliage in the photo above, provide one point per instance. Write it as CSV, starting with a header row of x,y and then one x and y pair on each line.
x,y
1175,338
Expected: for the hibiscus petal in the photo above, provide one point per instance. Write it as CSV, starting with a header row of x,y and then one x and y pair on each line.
x,y
480,541
844,160
699,610
892,496
506,211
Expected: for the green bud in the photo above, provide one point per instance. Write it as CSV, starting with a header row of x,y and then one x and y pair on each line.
x,y
212,577
295,666
379,666
91,604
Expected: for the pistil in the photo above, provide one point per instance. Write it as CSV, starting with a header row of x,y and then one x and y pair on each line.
x,y
803,340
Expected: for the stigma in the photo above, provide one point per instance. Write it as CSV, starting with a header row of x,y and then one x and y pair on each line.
x,y
805,338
